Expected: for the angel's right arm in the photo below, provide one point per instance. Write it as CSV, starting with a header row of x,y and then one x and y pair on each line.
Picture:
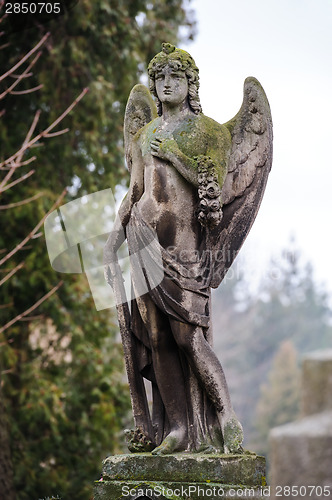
x,y
136,189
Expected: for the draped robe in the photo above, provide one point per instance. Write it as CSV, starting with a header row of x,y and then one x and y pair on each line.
x,y
184,294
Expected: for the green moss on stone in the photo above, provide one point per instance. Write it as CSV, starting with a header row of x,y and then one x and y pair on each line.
x,y
195,136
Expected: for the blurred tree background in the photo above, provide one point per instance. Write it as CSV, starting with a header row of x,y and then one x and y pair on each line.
x,y
261,336
64,398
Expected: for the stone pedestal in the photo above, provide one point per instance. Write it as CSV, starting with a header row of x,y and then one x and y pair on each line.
x,y
182,476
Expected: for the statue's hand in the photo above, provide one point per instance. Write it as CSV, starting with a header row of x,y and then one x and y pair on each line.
x,y
164,148
109,264
108,275
110,272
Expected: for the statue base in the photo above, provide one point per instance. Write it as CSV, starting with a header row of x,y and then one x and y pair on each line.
x,y
182,476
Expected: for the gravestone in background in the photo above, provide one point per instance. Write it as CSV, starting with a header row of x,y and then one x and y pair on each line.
x,y
301,451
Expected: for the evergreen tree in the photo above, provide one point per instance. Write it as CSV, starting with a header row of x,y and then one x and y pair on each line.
x,y
6,466
62,368
279,399
36,382
250,328
231,313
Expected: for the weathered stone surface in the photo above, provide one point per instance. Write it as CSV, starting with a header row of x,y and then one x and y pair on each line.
x,y
226,469
135,490
181,476
317,382
301,451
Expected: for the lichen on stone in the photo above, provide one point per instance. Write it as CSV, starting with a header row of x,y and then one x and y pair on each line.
x,y
138,441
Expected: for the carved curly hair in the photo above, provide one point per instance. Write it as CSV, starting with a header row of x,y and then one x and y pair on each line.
x,y
179,60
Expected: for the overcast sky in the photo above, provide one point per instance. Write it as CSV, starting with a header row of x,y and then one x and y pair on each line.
x,y
287,46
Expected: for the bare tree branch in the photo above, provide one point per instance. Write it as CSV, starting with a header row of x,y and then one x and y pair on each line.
x,y
26,162
2,3
38,235
19,203
4,306
21,164
54,134
24,58
20,77
32,308
10,370
20,179
21,151
34,231
12,272
32,318
28,91
47,130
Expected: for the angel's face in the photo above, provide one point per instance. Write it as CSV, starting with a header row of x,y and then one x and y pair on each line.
x,y
171,86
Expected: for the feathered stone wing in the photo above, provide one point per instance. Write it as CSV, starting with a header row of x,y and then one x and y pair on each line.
x,y
248,169
140,110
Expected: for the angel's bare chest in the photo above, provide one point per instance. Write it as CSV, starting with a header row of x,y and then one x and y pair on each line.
x,y
169,203
166,188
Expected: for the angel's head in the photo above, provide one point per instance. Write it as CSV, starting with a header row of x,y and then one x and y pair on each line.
x,y
179,60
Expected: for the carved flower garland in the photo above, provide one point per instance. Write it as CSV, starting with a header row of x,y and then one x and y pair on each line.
x,y
209,209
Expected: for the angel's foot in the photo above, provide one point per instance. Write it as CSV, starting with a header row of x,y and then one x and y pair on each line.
x,y
210,449
216,446
232,434
174,441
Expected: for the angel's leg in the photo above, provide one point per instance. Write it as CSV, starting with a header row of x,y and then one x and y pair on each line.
x,y
207,367
168,372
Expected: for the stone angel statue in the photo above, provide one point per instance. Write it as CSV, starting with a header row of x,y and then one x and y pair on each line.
x,y
195,190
